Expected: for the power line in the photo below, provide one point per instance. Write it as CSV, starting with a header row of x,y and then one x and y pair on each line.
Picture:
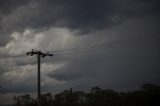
x,y
111,45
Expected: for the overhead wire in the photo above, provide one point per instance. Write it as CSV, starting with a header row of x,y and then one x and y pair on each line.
x,y
105,46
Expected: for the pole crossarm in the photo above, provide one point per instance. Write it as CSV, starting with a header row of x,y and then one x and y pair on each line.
x,y
37,52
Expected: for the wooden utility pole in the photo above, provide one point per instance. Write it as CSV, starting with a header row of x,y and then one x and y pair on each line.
x,y
38,54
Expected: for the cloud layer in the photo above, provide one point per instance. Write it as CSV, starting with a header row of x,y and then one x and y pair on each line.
x,y
105,43
82,15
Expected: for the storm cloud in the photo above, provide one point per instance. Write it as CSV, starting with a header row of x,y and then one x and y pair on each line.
x,y
106,43
83,15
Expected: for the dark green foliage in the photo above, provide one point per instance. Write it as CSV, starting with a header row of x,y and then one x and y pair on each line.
x,y
148,95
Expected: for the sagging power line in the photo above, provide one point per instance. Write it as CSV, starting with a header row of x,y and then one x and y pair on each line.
x,y
39,54
108,45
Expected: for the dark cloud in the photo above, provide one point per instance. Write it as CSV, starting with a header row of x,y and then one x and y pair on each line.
x,y
18,88
132,63
140,8
73,14
65,76
84,15
8,6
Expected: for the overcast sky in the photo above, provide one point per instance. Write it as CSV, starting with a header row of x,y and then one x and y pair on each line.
x,y
107,43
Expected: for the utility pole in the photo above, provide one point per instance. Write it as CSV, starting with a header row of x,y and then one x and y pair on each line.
x,y
38,54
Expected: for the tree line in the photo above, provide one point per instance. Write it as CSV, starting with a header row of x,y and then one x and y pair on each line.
x,y
147,95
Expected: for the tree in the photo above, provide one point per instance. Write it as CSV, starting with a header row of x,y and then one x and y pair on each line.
x,y
24,100
148,95
46,99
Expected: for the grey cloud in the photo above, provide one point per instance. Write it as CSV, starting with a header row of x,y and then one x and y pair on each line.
x,y
84,15
131,63
25,86
66,76
8,6
139,8
72,14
